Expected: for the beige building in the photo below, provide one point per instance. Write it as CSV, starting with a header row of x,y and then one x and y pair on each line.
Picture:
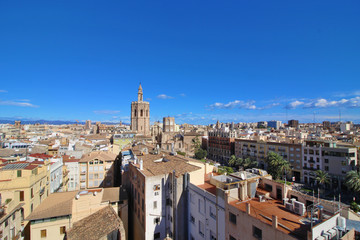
x,y
11,215
140,115
60,211
97,169
259,150
29,180
157,189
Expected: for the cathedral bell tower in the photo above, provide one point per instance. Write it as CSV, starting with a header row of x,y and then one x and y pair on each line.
x,y
140,115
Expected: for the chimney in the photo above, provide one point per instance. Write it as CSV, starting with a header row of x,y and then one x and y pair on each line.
x,y
141,164
274,221
248,208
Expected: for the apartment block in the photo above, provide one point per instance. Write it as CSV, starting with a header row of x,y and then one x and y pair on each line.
x,y
97,169
158,185
221,145
11,216
331,157
259,150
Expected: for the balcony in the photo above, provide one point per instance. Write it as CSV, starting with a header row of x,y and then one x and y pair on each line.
x,y
83,172
42,190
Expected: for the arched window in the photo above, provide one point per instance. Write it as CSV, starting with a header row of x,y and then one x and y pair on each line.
x,y
141,113
147,113
135,113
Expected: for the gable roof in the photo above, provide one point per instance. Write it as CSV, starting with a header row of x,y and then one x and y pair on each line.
x,y
97,225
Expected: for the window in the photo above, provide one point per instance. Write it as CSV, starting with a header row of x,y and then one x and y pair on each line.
x,y
62,230
232,218
21,196
156,187
43,233
157,220
156,235
326,168
257,233
192,219
13,216
231,238
343,163
141,113
201,228
142,204
212,236
18,173
212,212
201,206
6,223
155,204
326,160
31,207
168,202
32,193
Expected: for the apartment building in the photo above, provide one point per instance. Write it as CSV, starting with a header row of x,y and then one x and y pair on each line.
x,y
29,180
206,210
73,168
158,185
267,213
98,169
56,169
259,150
11,216
58,214
335,159
221,144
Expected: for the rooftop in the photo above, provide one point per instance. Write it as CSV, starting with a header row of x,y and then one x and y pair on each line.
x,y
157,164
289,223
100,155
97,225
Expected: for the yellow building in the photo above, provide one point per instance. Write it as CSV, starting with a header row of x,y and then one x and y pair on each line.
x,y
29,180
58,213
11,216
97,169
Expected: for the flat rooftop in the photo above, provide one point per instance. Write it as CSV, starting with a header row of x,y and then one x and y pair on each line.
x,y
207,186
265,210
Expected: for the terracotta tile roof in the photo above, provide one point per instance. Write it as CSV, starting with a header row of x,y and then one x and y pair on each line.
x,y
157,164
274,207
100,155
40,155
97,226
208,187
56,204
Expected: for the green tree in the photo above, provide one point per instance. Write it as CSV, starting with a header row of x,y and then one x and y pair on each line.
x,y
200,153
277,165
232,161
196,144
352,181
322,177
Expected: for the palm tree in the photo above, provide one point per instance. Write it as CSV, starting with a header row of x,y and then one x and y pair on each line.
x,y
232,160
352,181
277,166
249,163
322,177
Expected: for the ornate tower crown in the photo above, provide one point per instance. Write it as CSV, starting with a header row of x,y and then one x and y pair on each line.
x,y
140,94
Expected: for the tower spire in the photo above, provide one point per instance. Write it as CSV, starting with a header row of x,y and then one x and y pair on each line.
x,y
140,94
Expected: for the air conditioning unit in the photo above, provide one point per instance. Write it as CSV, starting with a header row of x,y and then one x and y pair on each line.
x,y
289,206
299,208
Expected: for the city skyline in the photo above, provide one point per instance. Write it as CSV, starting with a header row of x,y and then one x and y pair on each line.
x,y
199,63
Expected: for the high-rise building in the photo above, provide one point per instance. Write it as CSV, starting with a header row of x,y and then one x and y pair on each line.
x,y
140,115
293,123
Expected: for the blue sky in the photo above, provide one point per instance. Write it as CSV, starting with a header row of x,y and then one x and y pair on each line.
x,y
199,61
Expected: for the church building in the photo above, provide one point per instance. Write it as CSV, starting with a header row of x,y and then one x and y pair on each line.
x,y
140,115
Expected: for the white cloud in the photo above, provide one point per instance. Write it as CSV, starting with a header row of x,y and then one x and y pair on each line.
x,y
17,103
294,104
325,103
164,96
108,112
3,91
183,94
237,103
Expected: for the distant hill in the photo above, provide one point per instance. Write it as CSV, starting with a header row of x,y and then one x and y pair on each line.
x,y
51,122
